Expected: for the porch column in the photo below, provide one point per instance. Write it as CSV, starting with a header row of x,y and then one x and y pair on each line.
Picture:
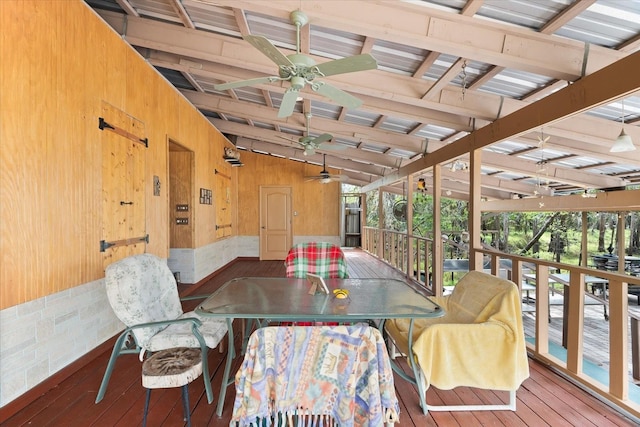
x,y
409,247
437,256
380,224
618,321
475,213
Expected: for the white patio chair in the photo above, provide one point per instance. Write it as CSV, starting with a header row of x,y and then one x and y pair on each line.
x,y
143,294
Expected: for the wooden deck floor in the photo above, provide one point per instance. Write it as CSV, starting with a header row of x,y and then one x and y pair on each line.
x,y
545,399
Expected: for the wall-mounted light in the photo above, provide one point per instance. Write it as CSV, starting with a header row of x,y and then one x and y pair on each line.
x,y
623,142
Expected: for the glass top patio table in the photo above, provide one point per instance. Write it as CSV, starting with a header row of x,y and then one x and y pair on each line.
x,y
289,299
270,299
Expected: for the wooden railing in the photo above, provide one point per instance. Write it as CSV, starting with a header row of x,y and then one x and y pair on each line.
x,y
392,247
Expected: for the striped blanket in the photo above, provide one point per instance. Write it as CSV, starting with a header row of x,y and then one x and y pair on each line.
x,y
327,375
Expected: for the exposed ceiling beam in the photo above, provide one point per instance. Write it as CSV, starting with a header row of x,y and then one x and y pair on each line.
x,y
491,73
241,21
404,109
477,105
432,29
630,45
427,62
562,18
610,83
178,7
276,137
297,153
445,79
127,7
471,7
614,201
296,121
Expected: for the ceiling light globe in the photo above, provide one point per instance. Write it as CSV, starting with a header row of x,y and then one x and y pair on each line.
x,y
623,143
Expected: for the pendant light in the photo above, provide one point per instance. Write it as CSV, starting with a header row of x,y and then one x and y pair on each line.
x,y
623,142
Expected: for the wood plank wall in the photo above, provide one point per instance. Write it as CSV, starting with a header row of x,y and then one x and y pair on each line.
x,y
317,205
60,63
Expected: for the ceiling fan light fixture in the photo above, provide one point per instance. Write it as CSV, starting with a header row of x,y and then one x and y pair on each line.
x,y
325,180
309,151
623,143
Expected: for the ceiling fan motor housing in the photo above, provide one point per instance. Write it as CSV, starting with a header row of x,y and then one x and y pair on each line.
x,y
304,66
299,18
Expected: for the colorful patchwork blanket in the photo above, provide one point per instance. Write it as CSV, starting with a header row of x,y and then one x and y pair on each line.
x,y
321,258
326,375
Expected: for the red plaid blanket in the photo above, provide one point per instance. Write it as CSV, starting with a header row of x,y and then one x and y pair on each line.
x,y
321,258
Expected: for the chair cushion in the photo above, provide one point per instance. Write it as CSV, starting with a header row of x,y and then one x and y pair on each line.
x,y
173,367
180,334
321,258
141,289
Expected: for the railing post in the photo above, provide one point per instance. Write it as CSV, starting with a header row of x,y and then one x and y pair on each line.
x,y
635,347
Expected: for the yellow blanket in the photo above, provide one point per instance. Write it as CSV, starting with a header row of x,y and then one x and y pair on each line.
x,y
479,342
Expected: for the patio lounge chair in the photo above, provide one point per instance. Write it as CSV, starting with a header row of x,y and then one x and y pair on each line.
x,y
479,342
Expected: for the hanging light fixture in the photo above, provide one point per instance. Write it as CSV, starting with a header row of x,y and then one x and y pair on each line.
x,y
422,185
623,142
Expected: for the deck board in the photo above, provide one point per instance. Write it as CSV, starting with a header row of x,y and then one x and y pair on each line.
x,y
544,399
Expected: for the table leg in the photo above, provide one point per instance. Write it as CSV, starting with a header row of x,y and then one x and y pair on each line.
x,y
565,315
227,369
635,347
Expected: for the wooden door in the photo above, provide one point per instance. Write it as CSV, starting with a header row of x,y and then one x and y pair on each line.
x,y
276,236
123,184
181,199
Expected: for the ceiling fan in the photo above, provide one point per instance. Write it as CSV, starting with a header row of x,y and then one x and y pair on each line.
x,y
312,143
300,69
325,177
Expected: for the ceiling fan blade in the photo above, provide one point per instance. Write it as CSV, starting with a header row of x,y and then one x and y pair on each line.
x,y
322,138
250,82
289,139
269,50
348,65
288,102
338,95
332,147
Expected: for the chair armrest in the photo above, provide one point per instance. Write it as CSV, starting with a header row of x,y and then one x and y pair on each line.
x,y
194,297
195,321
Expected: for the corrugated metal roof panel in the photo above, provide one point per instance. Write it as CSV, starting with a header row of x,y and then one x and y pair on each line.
x,y
250,94
515,84
158,9
395,124
434,132
280,32
325,110
362,118
398,58
523,13
334,44
605,23
212,18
